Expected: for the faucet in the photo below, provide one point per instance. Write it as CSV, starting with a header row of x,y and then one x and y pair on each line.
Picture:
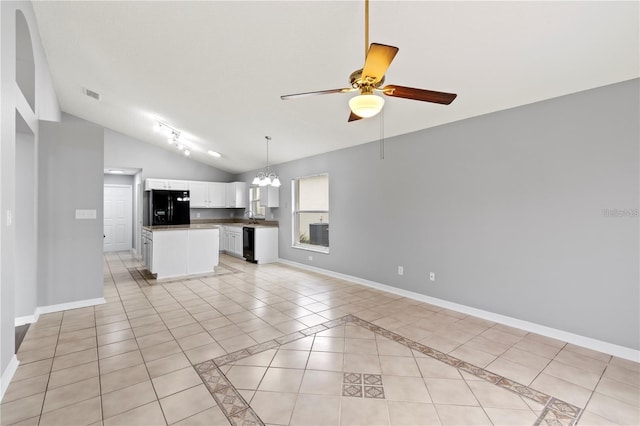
x,y
251,216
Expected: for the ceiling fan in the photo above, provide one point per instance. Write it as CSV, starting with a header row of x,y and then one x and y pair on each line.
x,y
370,78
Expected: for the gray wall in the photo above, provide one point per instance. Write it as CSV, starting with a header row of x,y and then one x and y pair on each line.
x,y
26,225
156,162
506,209
70,250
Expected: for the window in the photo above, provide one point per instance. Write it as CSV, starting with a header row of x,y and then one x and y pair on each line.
x,y
311,213
254,202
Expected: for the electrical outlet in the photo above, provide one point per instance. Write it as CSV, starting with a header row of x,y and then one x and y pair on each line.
x,y
432,276
400,270
310,257
198,215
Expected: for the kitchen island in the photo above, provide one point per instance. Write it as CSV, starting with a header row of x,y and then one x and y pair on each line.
x,y
180,250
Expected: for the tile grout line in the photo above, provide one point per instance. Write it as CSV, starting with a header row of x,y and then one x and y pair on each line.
x,y
138,345
165,324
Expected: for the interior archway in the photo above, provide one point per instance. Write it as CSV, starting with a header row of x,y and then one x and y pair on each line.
x,y
25,64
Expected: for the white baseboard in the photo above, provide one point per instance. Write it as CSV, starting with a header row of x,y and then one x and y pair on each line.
x,y
576,339
29,319
7,375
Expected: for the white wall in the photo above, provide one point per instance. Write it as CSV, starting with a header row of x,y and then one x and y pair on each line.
x,y
13,102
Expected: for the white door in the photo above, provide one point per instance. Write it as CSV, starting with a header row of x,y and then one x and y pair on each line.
x,y
118,215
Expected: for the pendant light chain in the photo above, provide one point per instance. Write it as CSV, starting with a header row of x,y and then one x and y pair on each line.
x,y
268,138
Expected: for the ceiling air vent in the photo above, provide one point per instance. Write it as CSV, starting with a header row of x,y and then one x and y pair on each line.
x,y
90,93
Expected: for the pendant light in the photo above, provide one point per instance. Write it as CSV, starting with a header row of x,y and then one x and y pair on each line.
x,y
266,178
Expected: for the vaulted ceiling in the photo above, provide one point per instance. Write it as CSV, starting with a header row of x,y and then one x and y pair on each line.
x,y
216,69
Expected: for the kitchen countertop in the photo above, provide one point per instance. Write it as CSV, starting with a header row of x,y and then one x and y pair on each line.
x,y
181,227
248,225
205,226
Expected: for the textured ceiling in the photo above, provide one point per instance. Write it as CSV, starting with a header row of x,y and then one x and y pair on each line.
x,y
216,69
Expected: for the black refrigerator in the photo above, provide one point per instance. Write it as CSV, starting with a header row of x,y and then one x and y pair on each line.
x,y
169,207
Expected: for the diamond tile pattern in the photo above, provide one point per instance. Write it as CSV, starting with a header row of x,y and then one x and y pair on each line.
x,y
256,344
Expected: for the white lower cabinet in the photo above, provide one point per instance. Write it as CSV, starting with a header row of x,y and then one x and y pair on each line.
x,y
181,252
266,245
265,242
236,245
232,240
203,253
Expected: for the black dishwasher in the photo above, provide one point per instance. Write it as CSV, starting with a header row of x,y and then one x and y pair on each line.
x,y
248,244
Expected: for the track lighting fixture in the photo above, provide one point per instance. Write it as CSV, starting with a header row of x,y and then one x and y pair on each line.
x,y
174,138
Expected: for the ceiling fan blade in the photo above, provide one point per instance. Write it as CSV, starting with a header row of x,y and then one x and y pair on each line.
x,y
321,92
378,60
419,94
353,117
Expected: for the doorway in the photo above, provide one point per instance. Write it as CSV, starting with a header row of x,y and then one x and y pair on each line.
x,y
118,218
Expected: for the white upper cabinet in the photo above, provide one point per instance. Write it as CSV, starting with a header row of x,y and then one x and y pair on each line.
x,y
150,184
270,196
198,195
217,194
207,195
236,195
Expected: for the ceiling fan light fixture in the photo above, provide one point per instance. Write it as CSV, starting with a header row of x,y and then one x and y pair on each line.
x,y
366,105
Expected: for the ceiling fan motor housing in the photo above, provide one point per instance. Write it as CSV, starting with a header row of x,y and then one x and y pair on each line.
x,y
365,86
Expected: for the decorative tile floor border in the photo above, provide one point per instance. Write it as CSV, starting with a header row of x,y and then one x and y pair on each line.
x,y
233,405
556,412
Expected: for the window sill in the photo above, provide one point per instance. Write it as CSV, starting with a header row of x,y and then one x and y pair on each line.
x,y
310,247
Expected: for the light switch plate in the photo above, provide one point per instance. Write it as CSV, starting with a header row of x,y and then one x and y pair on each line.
x,y
85,213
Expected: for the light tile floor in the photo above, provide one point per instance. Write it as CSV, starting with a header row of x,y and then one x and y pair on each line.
x,y
274,344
